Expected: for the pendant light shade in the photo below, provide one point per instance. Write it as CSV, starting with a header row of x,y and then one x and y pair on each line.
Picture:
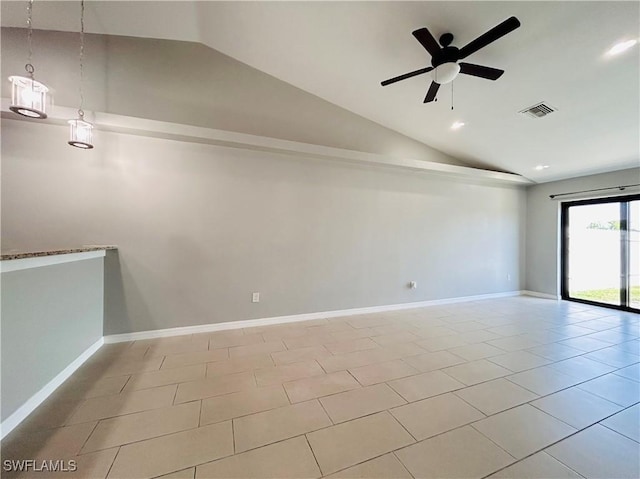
x,y
28,96
80,132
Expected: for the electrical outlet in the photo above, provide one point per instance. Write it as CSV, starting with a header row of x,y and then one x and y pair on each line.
x,y
255,298
508,277
413,285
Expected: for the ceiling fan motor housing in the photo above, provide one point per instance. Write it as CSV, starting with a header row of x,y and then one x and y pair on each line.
x,y
446,55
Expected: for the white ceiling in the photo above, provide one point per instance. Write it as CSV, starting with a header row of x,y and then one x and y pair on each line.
x,y
340,51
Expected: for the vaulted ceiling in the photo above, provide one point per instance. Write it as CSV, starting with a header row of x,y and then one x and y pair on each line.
x,y
340,51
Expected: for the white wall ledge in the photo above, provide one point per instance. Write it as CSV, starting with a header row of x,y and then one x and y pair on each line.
x,y
196,134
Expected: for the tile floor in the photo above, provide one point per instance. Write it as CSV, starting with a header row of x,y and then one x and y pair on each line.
x,y
509,388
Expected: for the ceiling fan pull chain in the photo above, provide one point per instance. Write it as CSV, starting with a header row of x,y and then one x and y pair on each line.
x,y
451,96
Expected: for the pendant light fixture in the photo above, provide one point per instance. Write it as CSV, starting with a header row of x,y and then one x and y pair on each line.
x,y
81,131
28,96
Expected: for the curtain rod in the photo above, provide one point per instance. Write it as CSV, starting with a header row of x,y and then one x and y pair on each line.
x,y
621,188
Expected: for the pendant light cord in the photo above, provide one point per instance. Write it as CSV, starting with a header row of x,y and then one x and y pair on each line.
x,y
80,111
29,67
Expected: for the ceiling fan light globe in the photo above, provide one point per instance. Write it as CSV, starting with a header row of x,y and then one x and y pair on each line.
x,y
445,73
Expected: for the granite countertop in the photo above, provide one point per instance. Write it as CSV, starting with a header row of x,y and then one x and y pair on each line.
x,y
8,255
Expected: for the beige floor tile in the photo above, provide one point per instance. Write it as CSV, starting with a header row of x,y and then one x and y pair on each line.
x,y
342,362
495,396
440,343
90,388
436,415
229,406
277,424
576,407
120,367
433,361
301,354
125,403
287,459
50,414
626,422
473,352
143,425
239,365
215,386
49,444
114,351
197,357
514,343
284,333
287,372
164,377
519,361
584,344
383,467
425,385
186,346
535,467
473,337
523,430
381,372
555,351
598,452
217,341
351,345
399,337
543,380
183,474
466,326
360,402
88,466
614,388
403,350
318,386
614,356
256,349
353,442
311,339
350,334
434,331
461,453
162,455
476,372
582,368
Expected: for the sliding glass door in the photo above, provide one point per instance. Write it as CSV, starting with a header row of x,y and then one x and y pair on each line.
x,y
601,252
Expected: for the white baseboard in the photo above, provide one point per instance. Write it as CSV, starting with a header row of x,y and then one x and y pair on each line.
x,y
34,401
248,323
540,295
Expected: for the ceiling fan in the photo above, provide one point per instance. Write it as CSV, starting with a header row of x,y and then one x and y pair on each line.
x,y
444,59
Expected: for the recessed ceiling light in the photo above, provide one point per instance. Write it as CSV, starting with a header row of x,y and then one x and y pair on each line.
x,y
621,47
457,125
541,167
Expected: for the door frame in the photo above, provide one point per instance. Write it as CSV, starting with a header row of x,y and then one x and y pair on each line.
x,y
623,200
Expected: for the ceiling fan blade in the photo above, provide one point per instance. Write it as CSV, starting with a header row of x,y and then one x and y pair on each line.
x,y
480,71
406,75
431,94
427,41
509,25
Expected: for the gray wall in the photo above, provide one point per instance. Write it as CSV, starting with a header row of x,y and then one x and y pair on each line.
x,y
192,84
543,218
200,227
50,315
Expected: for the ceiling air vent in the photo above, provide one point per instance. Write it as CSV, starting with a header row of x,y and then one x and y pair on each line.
x,y
538,110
